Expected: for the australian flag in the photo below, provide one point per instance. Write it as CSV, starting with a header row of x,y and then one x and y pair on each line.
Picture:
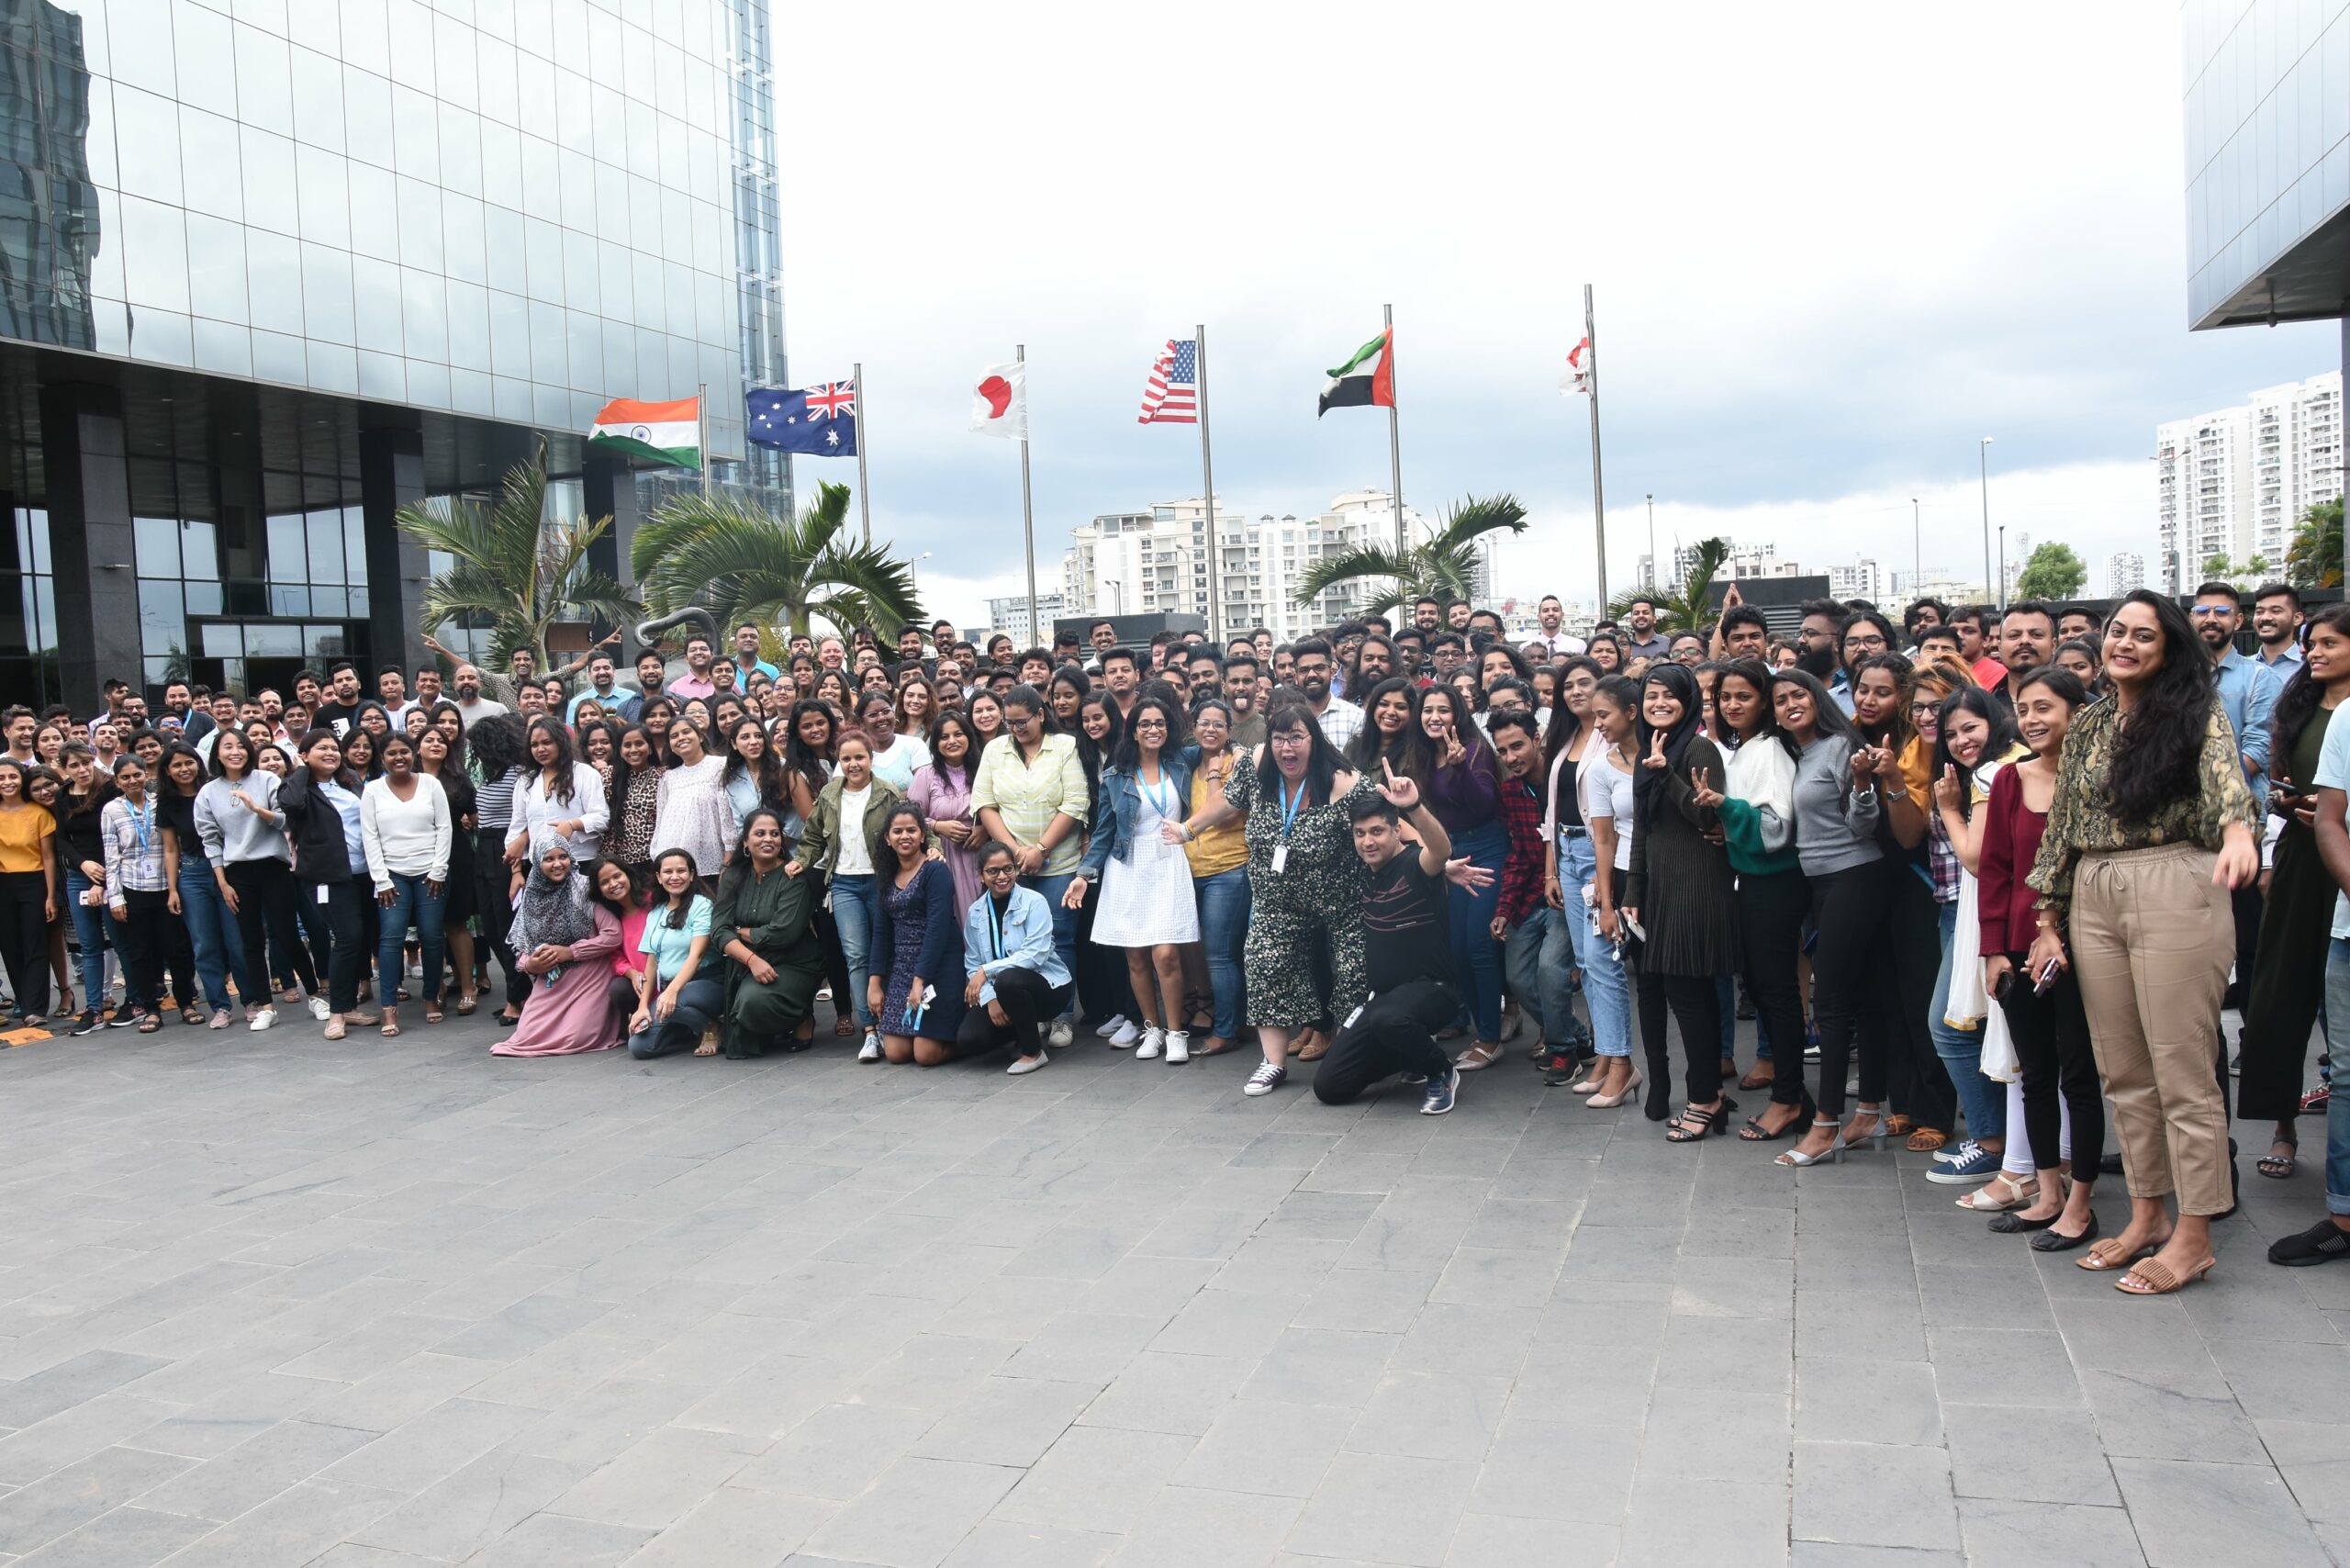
x,y
818,420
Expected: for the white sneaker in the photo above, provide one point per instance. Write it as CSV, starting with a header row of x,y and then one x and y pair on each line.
x,y
871,1049
1179,1047
1026,1064
1154,1040
1126,1036
1117,1022
1059,1037
262,1019
319,1010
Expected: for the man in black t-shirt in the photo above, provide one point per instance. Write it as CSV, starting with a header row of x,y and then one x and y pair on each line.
x,y
1405,951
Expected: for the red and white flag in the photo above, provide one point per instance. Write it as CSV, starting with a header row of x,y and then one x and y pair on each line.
x,y
1578,375
1000,401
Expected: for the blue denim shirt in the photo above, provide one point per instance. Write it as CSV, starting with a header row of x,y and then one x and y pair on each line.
x,y
1117,806
1024,940
2248,690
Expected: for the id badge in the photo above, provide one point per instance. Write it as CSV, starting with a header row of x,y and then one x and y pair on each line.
x,y
1280,859
322,893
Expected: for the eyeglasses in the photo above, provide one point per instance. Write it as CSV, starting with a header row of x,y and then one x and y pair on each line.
x,y
2200,611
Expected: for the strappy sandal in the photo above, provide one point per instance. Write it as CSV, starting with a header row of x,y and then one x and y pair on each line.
x,y
465,1005
432,1015
1696,1126
149,1024
2115,1253
1897,1125
1477,1057
2155,1278
2281,1166
1755,1132
1924,1140
192,1015
842,1029
2003,1193
391,1027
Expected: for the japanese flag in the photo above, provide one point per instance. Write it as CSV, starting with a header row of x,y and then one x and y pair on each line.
x,y
1000,401
1578,375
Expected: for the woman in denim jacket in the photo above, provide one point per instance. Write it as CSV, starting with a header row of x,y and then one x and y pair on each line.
x,y
1137,853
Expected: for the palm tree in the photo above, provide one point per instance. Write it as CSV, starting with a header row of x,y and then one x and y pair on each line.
x,y
1688,606
1443,564
741,564
510,569
2314,557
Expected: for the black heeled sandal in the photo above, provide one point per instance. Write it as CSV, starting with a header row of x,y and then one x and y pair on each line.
x,y
1714,1123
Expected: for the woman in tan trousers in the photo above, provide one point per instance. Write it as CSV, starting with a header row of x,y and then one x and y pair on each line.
x,y
2152,826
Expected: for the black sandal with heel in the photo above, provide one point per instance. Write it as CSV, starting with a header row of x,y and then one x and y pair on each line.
x,y
1694,1125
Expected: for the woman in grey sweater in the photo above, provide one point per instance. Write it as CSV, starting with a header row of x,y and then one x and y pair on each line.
x,y
243,832
1836,811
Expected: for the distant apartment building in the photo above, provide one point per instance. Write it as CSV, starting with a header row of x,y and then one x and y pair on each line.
x,y
1009,616
2125,573
2234,482
1862,579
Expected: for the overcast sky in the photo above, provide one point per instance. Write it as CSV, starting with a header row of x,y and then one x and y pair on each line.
x,y
1833,247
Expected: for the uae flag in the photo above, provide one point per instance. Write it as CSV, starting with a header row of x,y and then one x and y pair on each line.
x,y
1368,380
660,432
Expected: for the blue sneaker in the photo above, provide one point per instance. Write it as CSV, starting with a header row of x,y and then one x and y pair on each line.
x,y
1441,1092
1975,1164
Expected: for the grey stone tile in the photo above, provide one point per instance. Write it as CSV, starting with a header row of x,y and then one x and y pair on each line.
x,y
1430,1416
2027,1455
33,1516
1717,1435
1734,1287
472,1506
1742,1522
36,1398
1161,1393
1261,1446
1083,1347
2005,1534
290,1529
1096,1478
1185,1526
2314,1460
2162,1416
915,1514
1495,1541
2197,1514
1999,1366
1522,1475
1308,1366
1375,1300
1528,1225
1485,1276
551,1540
1230,1323
1880,1325
121,1538
737,1528
1007,1421
1003,1543
1873,1495
1839,1399
2286,1381
1696,1350
653,1483
1384,1509
414,1455
75,1433
1832,1554
933,1372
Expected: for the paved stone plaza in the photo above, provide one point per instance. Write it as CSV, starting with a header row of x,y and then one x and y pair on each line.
x,y
272,1301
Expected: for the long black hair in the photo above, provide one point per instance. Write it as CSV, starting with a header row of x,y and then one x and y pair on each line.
x,y
1759,676
1323,761
563,755
1409,754
1895,732
497,745
904,808
2002,739
942,718
1564,726
1827,719
2302,694
2153,756
1091,755
798,755
766,773
1127,757
1648,784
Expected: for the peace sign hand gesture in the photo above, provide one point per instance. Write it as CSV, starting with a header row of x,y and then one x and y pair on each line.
x,y
1400,793
1655,759
1707,796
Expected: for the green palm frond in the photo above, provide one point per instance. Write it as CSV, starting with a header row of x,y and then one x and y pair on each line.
x,y
1444,563
741,565
1686,605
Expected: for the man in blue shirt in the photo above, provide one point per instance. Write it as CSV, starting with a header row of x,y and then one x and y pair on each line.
x,y
2277,621
746,652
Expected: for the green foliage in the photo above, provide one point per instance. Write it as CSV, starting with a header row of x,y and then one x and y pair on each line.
x,y
1443,564
2053,573
2314,557
1682,607
511,570
740,564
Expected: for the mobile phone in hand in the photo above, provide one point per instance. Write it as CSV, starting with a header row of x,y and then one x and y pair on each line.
x,y
2046,978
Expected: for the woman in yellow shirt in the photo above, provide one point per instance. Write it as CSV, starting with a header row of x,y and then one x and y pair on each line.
x,y
27,892
1219,858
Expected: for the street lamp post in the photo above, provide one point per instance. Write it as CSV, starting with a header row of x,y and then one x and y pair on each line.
x,y
1917,550
2001,599
1982,466
1652,542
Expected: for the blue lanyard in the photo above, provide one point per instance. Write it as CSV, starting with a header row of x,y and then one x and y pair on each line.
x,y
1290,807
995,929
1164,808
142,827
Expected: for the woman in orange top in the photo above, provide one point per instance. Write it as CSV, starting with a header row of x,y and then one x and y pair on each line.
x,y
27,892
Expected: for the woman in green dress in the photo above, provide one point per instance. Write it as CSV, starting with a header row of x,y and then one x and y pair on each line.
x,y
762,919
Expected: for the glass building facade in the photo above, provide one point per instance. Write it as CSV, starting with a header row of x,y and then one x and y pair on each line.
x,y
270,269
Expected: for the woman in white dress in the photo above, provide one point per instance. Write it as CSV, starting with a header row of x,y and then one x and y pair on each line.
x,y
691,811
560,799
1147,904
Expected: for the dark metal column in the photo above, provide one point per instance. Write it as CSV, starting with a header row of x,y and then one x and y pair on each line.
x,y
90,540
391,476
608,489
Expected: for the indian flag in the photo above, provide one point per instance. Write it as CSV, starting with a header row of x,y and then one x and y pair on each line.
x,y
665,432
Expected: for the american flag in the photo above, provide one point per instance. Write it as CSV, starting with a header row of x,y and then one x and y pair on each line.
x,y
1171,396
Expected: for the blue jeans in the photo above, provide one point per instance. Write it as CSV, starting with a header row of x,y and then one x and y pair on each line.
x,y
1472,918
1064,927
211,932
2337,1054
856,911
410,901
93,928
1540,957
700,1000
1606,990
1984,1101
1224,922
1726,999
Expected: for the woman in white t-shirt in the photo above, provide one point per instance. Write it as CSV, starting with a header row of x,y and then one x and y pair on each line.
x,y
842,839
690,810
1605,786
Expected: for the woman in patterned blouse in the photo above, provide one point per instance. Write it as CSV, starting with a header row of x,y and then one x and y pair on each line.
x,y
2151,827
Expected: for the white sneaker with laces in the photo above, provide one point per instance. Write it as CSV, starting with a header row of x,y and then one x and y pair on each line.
x,y
1117,1022
1268,1077
319,1010
1060,1036
1126,1036
262,1019
1154,1040
1179,1047
871,1049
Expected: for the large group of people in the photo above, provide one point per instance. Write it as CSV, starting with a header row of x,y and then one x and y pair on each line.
x,y
1975,876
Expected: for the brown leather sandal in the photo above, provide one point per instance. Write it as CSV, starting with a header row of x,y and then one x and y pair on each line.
x,y
1924,1140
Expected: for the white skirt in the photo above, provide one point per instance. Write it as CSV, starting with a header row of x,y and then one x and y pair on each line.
x,y
1148,900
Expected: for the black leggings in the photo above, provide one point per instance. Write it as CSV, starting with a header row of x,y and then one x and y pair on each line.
x,y
1851,911
1917,1084
338,935
494,904
1027,1003
1393,1033
265,895
23,938
144,936
1696,1007
1771,911
2052,1037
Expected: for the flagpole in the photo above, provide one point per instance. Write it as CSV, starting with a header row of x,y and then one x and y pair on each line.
x,y
1027,512
1598,490
701,433
1207,478
864,493
1394,438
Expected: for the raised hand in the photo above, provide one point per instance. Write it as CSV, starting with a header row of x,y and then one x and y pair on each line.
x,y
1863,767
1701,781
1400,793
1464,874
1656,758
1946,788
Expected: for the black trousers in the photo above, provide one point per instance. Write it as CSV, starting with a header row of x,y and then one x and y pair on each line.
x,y
1027,1002
2244,904
1851,914
1771,911
265,921
1394,1032
1917,1084
338,935
496,907
23,938
2052,1037
1696,1004
145,935
2287,979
